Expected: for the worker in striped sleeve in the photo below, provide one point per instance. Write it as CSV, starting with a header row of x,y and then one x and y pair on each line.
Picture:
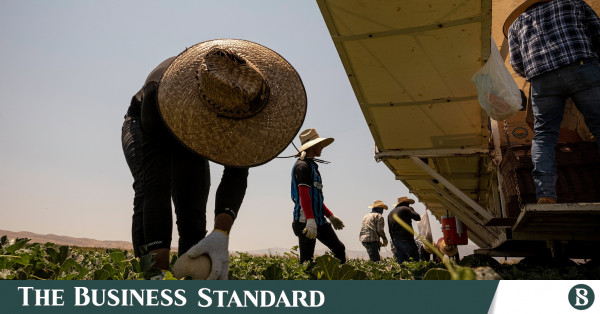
x,y
310,213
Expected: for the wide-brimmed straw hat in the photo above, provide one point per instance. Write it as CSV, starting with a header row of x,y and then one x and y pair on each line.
x,y
518,11
447,249
378,204
404,199
232,101
310,138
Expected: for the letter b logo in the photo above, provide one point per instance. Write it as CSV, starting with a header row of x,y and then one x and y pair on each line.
x,y
581,297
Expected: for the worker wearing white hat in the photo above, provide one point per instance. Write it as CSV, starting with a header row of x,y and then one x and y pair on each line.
x,y
310,212
372,229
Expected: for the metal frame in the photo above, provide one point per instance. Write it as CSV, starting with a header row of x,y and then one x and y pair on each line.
x,y
438,152
462,196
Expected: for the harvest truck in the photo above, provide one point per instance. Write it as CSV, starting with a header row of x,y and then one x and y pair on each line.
x,y
410,64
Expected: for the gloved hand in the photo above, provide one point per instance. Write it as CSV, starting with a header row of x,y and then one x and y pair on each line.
x,y
384,242
336,222
216,245
311,228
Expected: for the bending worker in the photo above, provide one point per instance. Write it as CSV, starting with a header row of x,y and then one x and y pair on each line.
x,y
233,102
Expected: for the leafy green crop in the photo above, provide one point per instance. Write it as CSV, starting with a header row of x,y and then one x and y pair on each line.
x,y
22,260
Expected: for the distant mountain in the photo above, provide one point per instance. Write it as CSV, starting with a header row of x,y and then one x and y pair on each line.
x,y
463,250
65,240
349,253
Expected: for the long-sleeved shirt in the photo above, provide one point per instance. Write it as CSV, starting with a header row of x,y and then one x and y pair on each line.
x,y
372,228
551,35
306,172
407,214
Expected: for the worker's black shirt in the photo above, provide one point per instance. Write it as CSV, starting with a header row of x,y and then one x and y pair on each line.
x,y
407,214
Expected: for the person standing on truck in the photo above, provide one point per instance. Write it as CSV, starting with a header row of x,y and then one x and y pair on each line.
x,y
554,45
372,229
402,240
310,212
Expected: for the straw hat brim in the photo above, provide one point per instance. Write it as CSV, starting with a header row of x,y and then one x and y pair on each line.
x,y
325,141
516,12
232,142
408,200
449,250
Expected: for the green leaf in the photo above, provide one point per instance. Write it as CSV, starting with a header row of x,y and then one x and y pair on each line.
x,y
66,265
43,273
328,266
63,254
464,273
273,272
53,255
110,269
346,272
82,272
437,274
117,256
100,274
135,264
16,246
21,275
23,260
146,262
169,276
360,275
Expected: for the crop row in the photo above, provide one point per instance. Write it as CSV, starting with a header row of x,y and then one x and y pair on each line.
x,y
22,260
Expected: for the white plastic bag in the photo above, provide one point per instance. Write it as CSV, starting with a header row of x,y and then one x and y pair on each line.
x,y
424,227
499,95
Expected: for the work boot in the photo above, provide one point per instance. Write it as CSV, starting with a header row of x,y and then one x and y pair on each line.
x,y
546,200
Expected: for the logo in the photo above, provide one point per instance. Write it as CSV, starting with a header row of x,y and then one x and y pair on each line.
x,y
581,297
520,132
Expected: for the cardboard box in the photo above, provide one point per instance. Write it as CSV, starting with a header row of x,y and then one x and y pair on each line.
x,y
519,132
520,127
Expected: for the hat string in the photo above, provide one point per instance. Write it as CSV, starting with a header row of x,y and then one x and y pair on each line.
x,y
302,155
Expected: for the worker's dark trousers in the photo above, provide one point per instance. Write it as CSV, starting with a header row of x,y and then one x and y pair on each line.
x,y
172,170
405,250
325,235
372,250
131,139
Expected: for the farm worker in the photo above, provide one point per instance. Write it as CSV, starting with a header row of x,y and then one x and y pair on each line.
x,y
554,45
423,251
230,101
449,250
307,193
372,229
403,240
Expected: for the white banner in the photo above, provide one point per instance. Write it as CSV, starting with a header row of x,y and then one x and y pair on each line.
x,y
546,296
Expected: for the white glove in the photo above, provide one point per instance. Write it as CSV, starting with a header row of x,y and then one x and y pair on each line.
x,y
336,222
311,228
216,246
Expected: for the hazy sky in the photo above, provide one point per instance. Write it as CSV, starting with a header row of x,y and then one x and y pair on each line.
x,y
70,68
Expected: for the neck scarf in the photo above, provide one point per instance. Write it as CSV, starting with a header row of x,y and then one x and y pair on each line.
x,y
378,210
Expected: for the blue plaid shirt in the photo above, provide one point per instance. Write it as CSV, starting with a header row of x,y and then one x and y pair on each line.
x,y
552,35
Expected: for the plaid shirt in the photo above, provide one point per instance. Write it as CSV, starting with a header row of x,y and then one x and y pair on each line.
x,y
552,35
372,228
